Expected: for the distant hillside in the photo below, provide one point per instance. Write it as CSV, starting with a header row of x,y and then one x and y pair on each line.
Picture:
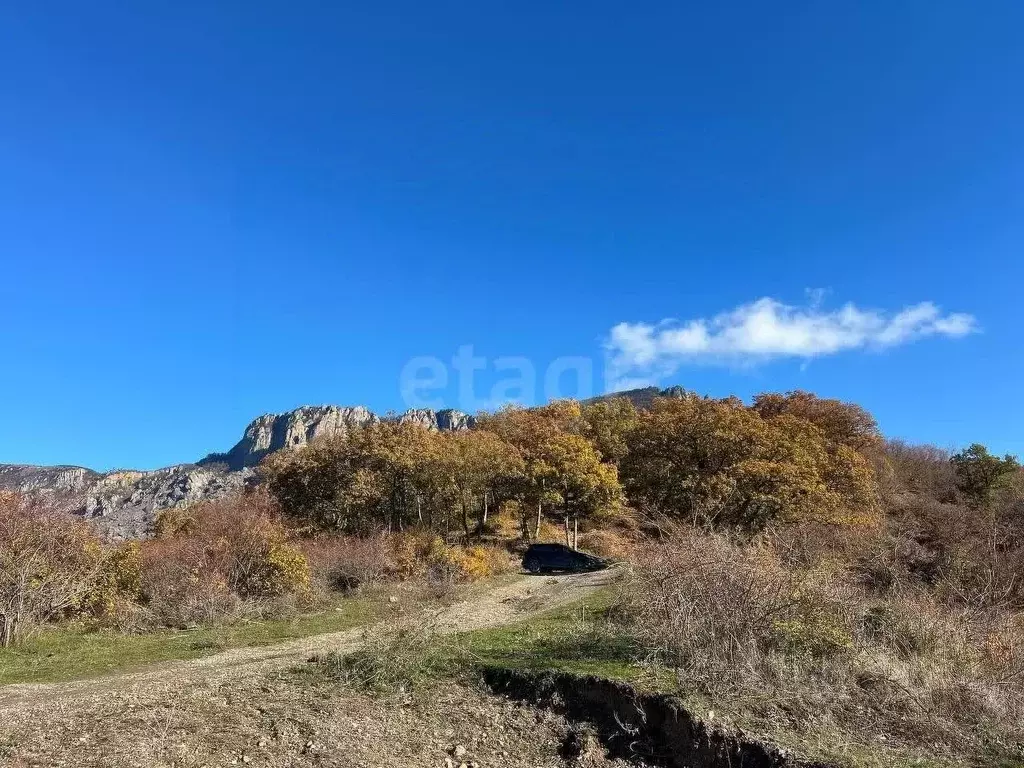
x,y
643,397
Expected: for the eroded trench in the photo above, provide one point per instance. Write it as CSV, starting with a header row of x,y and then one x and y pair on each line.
x,y
653,728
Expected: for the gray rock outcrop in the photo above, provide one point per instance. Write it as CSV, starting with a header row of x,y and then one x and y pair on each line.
x,y
445,421
272,432
27,478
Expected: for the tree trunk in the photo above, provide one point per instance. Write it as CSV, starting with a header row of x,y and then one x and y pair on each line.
x,y
465,518
565,520
8,630
575,532
481,519
540,504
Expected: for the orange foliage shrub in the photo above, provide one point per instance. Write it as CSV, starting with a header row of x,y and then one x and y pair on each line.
x,y
209,559
425,555
113,599
49,562
412,554
348,562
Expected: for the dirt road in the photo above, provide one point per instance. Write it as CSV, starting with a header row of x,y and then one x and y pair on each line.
x,y
507,603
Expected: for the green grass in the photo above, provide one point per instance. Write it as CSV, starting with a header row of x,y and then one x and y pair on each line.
x,y
67,654
574,638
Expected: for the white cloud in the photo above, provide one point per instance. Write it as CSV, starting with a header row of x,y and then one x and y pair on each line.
x,y
765,330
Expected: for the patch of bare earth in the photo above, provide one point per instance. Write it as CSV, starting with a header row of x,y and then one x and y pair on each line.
x,y
247,707
283,720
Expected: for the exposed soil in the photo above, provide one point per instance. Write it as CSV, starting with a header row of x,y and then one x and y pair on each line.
x,y
247,706
282,720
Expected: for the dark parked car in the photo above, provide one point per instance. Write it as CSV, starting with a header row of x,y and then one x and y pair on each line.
x,y
540,558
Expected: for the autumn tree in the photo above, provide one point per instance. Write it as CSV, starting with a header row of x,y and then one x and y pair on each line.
x,y
607,423
395,452
326,485
562,472
717,463
518,425
845,423
378,476
530,430
581,484
472,464
393,475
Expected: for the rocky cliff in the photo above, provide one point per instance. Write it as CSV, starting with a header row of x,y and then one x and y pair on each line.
x,y
272,432
124,503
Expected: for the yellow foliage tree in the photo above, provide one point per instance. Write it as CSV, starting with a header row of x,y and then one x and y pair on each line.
x,y
716,463
562,471
844,423
607,424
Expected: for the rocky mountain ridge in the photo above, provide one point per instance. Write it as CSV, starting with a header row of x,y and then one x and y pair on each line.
x,y
124,503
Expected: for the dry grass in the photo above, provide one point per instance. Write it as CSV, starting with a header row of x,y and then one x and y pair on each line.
x,y
609,543
811,651
394,660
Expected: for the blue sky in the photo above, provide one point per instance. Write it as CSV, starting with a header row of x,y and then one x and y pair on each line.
x,y
214,210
